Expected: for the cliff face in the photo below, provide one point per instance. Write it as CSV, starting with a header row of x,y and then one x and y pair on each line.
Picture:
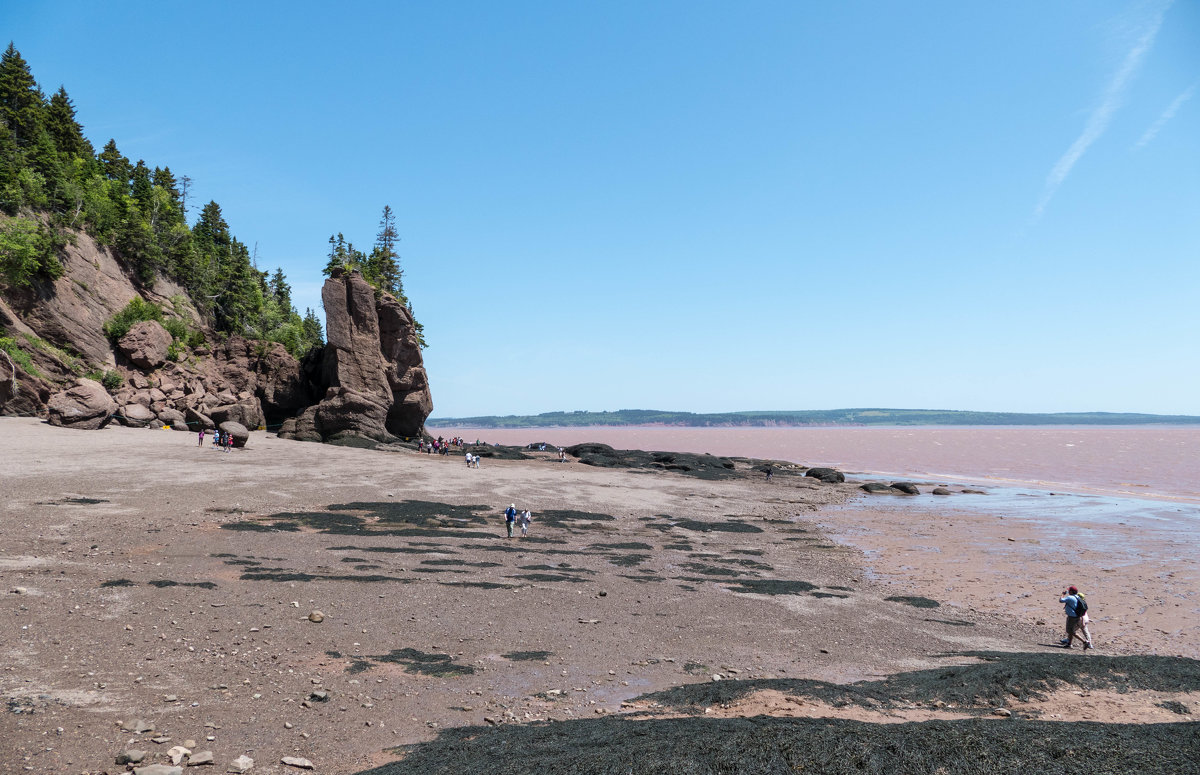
x,y
370,374
368,382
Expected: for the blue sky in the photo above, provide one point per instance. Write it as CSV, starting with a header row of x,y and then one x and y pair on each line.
x,y
699,206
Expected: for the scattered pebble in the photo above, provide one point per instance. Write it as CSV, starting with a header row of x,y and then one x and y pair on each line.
x,y
296,761
316,616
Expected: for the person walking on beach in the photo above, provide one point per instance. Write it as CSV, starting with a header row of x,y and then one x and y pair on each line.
x,y
524,521
1084,620
468,460
770,473
1072,607
510,516
201,437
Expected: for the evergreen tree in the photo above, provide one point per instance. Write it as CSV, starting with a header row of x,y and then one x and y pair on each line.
x,y
164,179
280,290
22,105
116,167
64,129
383,265
141,187
10,169
313,333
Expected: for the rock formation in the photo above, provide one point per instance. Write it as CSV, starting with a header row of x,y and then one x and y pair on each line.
x,y
370,373
367,383
146,345
86,406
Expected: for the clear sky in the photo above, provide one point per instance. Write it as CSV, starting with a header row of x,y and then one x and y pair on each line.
x,y
694,205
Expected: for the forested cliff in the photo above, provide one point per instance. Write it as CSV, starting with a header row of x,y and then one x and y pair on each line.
x,y
103,279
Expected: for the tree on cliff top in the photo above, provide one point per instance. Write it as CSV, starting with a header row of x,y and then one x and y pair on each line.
x,y
52,180
381,268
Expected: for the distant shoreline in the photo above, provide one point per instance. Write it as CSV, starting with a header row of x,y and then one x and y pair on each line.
x,y
854,418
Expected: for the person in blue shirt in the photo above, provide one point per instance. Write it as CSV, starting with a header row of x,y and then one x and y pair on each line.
x,y
510,516
1070,601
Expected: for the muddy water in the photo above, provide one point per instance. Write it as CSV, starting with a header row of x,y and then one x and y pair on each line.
x,y
1160,462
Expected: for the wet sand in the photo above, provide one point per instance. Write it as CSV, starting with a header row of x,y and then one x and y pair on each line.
x,y
145,579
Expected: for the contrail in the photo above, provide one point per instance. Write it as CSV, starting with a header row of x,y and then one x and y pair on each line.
x,y
1098,121
1166,116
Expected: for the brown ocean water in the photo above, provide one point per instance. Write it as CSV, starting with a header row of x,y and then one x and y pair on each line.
x,y
1155,462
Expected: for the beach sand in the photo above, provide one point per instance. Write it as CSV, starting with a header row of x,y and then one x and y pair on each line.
x,y
146,579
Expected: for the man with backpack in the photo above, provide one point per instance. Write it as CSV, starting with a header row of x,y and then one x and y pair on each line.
x,y
510,516
1075,607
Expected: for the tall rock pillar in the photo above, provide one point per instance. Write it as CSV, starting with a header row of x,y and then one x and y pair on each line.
x,y
371,373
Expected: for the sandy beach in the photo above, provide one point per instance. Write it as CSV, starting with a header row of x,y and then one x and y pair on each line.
x,y
151,582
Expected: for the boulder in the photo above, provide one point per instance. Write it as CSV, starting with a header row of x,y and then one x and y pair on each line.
x,y
146,344
237,431
826,475
908,488
86,406
169,416
877,488
940,491
196,419
249,413
180,425
135,415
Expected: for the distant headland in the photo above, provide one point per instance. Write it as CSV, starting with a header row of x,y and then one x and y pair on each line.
x,y
807,417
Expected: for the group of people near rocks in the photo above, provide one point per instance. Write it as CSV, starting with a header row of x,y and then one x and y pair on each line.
x,y
220,439
439,446
519,518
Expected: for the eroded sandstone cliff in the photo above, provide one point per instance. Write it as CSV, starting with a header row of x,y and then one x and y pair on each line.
x,y
370,375
369,382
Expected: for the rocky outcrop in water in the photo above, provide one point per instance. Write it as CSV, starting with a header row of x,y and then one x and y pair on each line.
x,y
370,374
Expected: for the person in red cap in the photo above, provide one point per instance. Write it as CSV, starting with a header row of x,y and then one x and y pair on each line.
x,y
1072,605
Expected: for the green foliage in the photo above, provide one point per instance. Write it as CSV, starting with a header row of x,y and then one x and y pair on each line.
x,y
28,250
19,356
47,166
380,268
175,350
72,361
137,310
111,380
177,328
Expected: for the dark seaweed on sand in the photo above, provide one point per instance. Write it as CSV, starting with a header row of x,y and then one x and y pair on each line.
x,y
915,602
411,518
772,587
119,583
721,527
414,661
998,678
779,745
775,746
163,583
628,560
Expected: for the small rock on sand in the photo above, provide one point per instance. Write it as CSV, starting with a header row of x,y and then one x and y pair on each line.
x,y
200,757
131,757
158,769
241,764
296,761
316,616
